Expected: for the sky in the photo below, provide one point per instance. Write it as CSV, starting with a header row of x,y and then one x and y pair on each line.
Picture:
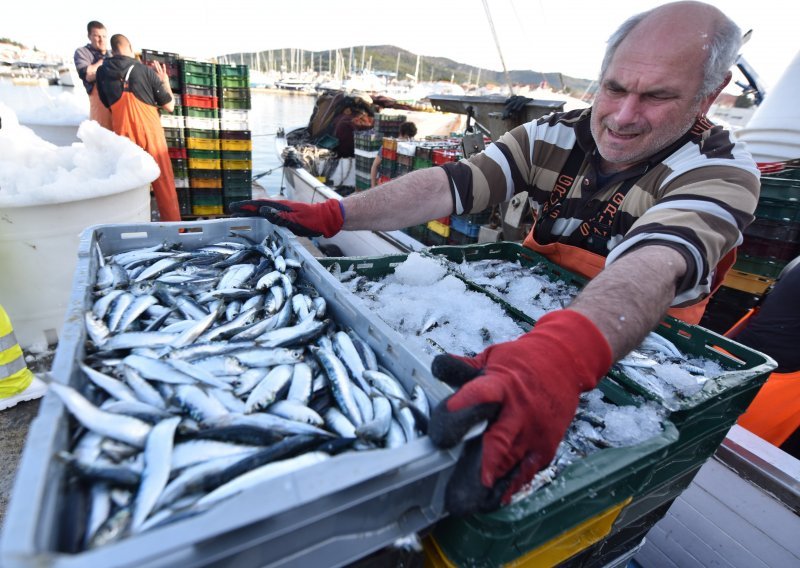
x,y
544,35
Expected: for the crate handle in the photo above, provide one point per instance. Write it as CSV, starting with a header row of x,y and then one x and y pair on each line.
x,y
136,235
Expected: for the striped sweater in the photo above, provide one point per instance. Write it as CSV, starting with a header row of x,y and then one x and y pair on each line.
x,y
695,196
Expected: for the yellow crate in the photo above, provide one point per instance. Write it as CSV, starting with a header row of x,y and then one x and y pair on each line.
x,y
202,183
439,228
202,143
207,210
390,143
550,553
236,164
203,164
747,282
237,145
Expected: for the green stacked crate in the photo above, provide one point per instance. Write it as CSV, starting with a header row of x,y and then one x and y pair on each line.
x,y
233,92
389,124
772,241
367,140
201,116
769,243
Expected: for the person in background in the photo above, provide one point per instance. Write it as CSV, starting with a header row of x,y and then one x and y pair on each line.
x,y
134,92
774,328
88,60
407,132
357,114
641,193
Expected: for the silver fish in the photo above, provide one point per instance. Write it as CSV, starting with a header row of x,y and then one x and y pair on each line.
x,y
297,411
157,453
261,475
300,388
123,428
266,392
112,386
340,384
200,405
157,370
377,429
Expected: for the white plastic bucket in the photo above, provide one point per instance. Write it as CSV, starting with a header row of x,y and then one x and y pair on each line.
x,y
58,134
39,252
773,133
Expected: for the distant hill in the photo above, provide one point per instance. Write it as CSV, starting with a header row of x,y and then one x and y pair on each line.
x,y
384,59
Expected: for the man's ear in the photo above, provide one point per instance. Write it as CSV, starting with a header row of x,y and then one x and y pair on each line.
x,y
709,100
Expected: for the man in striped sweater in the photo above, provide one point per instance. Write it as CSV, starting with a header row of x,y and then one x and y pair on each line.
x,y
641,193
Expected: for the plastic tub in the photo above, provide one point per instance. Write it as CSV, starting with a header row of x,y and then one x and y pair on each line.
x,y
37,253
324,515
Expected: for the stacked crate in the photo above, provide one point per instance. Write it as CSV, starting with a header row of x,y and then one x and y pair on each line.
x,y
389,124
388,168
236,143
769,243
173,124
367,145
201,115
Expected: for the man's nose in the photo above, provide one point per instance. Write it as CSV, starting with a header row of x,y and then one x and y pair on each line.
x,y
627,109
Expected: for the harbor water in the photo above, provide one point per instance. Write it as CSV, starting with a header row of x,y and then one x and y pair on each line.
x,y
50,106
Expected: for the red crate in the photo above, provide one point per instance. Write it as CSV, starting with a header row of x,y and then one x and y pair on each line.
x,y
178,153
444,155
200,101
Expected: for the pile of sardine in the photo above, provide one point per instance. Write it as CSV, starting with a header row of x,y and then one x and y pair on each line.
x,y
209,371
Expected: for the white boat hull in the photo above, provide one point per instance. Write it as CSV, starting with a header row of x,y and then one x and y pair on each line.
x,y
302,186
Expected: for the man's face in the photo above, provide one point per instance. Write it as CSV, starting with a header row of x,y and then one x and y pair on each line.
x,y
98,37
646,101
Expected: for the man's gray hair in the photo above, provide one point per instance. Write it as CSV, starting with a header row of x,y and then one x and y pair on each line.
x,y
726,40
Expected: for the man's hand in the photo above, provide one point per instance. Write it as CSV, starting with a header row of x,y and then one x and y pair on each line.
x,y
161,71
306,220
528,391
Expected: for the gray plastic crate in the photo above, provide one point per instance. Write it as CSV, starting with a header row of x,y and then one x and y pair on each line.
x,y
329,514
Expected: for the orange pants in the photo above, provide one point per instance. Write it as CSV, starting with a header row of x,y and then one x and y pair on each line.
x,y
98,111
140,122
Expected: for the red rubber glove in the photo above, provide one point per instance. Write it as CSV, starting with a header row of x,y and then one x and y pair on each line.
x,y
304,219
528,391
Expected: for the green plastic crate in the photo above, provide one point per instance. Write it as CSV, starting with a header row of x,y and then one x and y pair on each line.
x,y
234,82
779,188
199,79
604,481
199,67
237,104
234,93
770,268
196,112
786,210
237,155
201,133
204,154
233,70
